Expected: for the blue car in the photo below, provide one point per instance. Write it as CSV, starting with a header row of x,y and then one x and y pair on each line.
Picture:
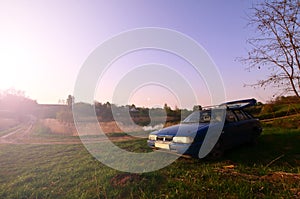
x,y
209,131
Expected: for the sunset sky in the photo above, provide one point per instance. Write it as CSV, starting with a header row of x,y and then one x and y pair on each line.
x,y
43,45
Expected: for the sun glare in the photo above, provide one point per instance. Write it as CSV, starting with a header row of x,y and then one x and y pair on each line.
x,y
13,61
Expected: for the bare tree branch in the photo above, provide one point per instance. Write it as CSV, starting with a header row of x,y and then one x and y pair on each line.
x,y
276,44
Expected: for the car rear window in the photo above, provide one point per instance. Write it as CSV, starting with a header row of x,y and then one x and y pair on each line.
x,y
241,115
248,114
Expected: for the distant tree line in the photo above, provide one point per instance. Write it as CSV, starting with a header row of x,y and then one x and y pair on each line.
x,y
107,112
139,115
14,103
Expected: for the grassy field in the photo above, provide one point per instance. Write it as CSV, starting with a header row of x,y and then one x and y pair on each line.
x,y
270,169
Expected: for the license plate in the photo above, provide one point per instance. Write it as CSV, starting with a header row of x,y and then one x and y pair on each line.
x,y
162,145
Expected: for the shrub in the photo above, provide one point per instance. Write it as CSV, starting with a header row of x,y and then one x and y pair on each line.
x,y
40,129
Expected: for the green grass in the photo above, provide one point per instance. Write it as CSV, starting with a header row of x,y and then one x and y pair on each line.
x,y
278,110
69,171
289,122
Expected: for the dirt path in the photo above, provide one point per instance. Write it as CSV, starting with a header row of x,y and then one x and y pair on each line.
x,y
20,133
23,135
282,117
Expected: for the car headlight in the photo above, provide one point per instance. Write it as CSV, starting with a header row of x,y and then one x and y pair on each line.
x,y
152,137
185,140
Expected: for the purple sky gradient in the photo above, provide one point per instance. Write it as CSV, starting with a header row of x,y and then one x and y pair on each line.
x,y
43,44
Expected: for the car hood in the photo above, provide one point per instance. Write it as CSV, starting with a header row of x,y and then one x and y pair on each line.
x,y
183,129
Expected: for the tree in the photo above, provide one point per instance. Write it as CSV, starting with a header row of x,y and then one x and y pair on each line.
x,y
15,101
70,100
167,109
276,44
16,104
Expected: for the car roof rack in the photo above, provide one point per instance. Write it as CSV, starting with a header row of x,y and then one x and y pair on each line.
x,y
233,105
240,104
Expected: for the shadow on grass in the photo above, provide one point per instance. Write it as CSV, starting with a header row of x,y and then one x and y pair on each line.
x,y
275,148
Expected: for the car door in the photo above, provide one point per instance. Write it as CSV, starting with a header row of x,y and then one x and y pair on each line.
x,y
244,127
230,131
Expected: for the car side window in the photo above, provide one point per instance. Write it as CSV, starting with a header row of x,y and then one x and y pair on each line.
x,y
240,115
230,116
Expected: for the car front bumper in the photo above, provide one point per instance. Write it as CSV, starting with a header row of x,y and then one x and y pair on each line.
x,y
179,148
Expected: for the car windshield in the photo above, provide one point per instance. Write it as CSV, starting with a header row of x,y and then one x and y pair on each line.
x,y
198,117
204,116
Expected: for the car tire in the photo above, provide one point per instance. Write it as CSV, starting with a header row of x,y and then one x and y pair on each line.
x,y
253,141
216,153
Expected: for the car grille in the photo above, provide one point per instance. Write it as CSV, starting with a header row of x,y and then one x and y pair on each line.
x,y
164,138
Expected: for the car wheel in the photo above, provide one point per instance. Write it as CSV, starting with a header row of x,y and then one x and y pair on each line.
x,y
253,141
217,152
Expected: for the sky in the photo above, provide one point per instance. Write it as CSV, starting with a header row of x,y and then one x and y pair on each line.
x,y
44,44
